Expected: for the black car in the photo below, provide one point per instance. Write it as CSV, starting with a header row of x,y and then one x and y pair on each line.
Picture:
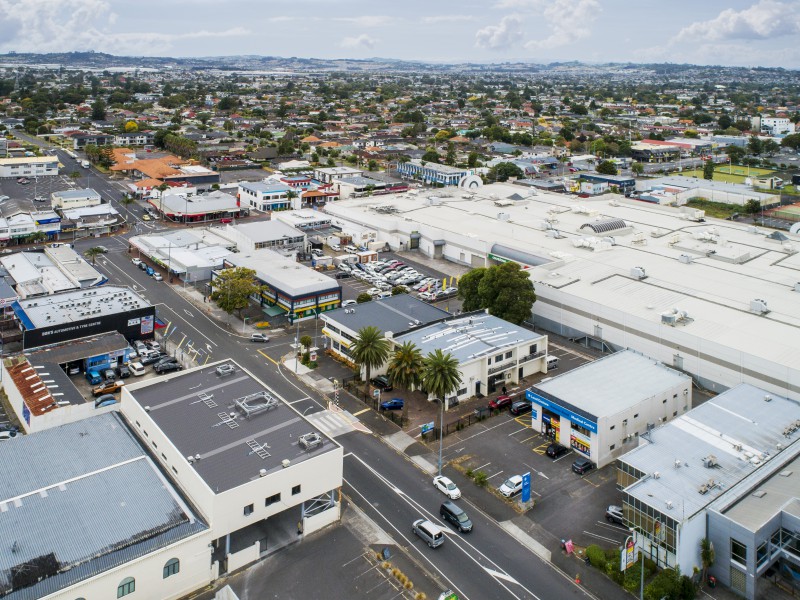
x,y
453,513
382,383
143,266
123,371
555,450
149,360
164,359
167,367
521,407
342,275
582,465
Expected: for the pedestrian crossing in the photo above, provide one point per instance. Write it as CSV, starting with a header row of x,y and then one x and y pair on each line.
x,y
331,423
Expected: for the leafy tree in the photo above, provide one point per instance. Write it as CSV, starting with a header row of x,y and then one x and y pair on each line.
x,y
430,156
707,556
93,253
637,168
791,141
450,158
735,153
440,375
771,147
363,297
232,288
370,349
472,160
506,290
399,289
724,121
607,167
755,145
306,341
131,126
752,207
99,110
502,171
372,165
405,366
708,169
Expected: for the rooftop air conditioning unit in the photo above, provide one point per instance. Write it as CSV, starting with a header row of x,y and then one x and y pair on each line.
x,y
669,503
686,259
759,306
669,318
656,474
638,273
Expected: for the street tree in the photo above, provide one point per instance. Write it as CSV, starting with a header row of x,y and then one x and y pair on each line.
x,y
370,350
708,169
363,297
93,252
506,290
232,288
735,153
755,145
752,207
405,366
637,168
440,374
607,167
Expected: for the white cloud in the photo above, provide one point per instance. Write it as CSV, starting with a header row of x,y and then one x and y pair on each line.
x,y
366,20
66,25
764,20
361,41
448,18
502,36
566,20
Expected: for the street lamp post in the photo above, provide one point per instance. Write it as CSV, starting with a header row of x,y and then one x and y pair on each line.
x,y
441,432
244,324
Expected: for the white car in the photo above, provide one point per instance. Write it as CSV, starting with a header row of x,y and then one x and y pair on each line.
x,y
447,487
136,368
136,261
373,291
335,247
348,303
511,486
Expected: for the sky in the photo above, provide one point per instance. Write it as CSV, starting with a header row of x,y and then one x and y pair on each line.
x,y
735,32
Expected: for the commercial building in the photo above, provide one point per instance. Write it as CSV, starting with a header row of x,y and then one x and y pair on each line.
x,y
181,207
101,219
601,408
715,299
57,269
88,514
624,184
432,173
491,352
252,464
391,315
678,190
331,174
774,125
654,153
267,197
67,199
724,471
191,254
289,287
275,235
29,166
72,315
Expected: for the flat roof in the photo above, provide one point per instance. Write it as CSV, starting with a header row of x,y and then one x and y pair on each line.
x,y
742,428
53,508
181,203
75,306
304,217
470,337
613,383
446,169
205,414
283,273
395,314
264,188
22,160
76,194
265,231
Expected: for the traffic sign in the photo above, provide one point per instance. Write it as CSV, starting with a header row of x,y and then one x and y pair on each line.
x,y
526,487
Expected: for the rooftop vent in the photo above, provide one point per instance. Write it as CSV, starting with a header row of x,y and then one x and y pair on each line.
x,y
677,463
638,273
262,472
759,306
710,461
285,462
759,494
669,504
785,473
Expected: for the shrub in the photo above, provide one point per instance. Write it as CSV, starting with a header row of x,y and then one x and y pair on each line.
x,y
470,473
481,479
596,556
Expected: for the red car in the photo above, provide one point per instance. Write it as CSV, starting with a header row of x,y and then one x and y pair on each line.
x,y
500,402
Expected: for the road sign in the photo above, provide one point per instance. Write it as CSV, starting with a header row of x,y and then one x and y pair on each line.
x,y
426,427
526,487
376,394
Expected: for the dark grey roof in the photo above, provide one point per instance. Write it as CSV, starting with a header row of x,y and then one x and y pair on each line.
x,y
232,451
395,314
519,256
87,494
605,226
78,349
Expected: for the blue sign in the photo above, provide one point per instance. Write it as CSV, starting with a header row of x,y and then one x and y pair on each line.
x,y
426,427
526,487
561,411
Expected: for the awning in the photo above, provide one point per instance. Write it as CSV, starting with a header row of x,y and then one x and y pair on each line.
x,y
438,242
415,236
273,310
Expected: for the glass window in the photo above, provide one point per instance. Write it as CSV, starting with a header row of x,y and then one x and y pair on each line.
x,y
738,552
508,355
761,554
127,586
295,490
248,510
172,567
272,499
532,349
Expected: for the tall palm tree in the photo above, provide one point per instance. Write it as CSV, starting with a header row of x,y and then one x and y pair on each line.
x,y
93,253
405,366
370,350
440,375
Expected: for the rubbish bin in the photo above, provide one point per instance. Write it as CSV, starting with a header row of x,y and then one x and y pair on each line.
x,y
712,581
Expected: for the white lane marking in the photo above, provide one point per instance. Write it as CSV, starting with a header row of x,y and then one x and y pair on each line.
x,y
500,575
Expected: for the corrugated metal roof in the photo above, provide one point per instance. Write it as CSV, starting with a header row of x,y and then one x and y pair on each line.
x,y
87,494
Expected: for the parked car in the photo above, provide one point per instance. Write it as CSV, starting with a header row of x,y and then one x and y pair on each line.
x,y
382,383
614,515
582,465
158,277
136,368
136,261
102,249
23,181
447,487
153,345
343,275
555,450
393,404
167,367
40,199
259,337
511,486
430,533
500,402
143,266
520,407
453,513
109,374
106,400
225,369
93,376
335,247
123,371
150,358
111,387
8,434
150,271
348,303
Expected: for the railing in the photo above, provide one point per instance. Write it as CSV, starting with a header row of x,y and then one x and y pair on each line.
x,y
529,357
508,365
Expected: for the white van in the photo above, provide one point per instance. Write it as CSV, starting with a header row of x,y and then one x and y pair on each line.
x,y
552,362
429,533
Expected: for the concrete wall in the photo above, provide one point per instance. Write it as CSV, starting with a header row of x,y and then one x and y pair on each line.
x,y
244,557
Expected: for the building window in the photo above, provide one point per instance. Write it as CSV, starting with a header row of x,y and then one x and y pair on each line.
x,y
761,555
508,355
248,510
611,428
612,446
636,416
532,349
127,586
172,567
295,490
272,499
738,552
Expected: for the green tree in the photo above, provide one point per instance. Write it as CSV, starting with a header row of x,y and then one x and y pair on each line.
x,y
430,156
472,160
440,375
306,341
771,147
735,153
502,171
450,157
755,145
93,252
405,366
752,207
232,288
363,297
399,289
637,168
724,121
708,169
707,556
98,110
370,350
607,167
506,290
791,141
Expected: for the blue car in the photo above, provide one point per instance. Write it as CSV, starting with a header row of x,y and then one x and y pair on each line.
x,y
150,271
393,404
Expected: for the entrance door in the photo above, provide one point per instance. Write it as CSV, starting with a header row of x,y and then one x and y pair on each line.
x,y
478,389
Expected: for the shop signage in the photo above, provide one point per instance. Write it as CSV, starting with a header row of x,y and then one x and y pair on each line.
x,y
560,410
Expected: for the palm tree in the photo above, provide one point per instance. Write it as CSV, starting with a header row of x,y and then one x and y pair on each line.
x,y
370,350
405,366
441,375
707,556
93,253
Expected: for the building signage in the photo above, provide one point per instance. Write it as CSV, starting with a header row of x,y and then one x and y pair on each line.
x,y
147,325
560,410
426,427
134,322
526,487
628,554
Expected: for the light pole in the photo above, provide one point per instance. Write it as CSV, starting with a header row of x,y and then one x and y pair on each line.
x,y
244,323
441,432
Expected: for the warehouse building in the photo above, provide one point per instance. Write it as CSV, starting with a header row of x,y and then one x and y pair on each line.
x,y
29,166
601,408
274,235
67,199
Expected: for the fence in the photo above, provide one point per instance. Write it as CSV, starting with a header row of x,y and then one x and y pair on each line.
x,y
355,387
479,414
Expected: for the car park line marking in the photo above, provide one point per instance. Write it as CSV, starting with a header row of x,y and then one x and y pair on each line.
x,y
517,431
495,475
299,400
361,412
565,456
527,439
479,468
613,541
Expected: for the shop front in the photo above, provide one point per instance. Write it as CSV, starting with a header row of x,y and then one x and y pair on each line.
x,y
564,423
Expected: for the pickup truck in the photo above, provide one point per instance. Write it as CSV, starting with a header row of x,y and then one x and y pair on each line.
x,y
110,387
